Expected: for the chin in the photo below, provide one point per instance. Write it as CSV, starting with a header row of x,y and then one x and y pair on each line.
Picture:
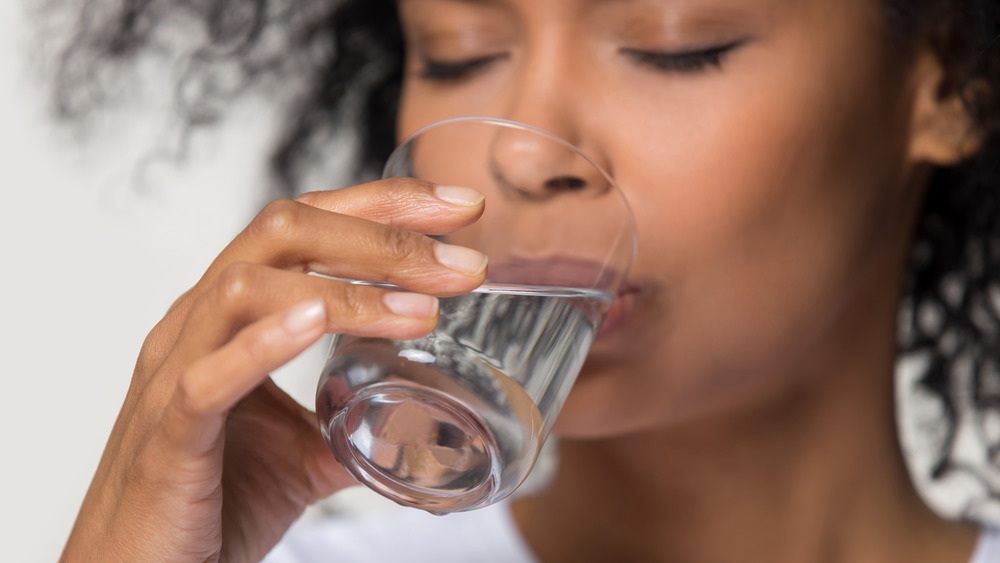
x,y
597,409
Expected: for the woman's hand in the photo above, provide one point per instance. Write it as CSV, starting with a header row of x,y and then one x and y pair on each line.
x,y
208,458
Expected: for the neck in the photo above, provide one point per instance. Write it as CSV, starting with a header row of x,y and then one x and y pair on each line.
x,y
813,473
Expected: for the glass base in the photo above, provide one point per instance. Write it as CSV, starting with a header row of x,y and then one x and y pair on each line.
x,y
416,446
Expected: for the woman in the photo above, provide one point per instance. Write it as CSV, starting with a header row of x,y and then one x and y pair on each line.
x,y
779,155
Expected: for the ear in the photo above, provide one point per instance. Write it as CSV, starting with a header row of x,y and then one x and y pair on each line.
x,y
943,133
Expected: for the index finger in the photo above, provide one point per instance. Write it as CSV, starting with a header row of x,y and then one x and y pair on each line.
x,y
408,203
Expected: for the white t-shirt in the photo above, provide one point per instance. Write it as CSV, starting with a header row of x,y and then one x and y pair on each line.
x,y
988,548
488,535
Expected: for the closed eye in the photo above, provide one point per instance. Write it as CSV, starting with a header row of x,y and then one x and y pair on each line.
x,y
684,61
454,70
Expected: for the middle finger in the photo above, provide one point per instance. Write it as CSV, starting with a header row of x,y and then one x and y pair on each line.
x,y
295,236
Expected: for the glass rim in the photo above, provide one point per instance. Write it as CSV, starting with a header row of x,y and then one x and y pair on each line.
x,y
511,124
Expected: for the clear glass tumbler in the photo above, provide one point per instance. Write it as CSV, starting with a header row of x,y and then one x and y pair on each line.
x,y
454,421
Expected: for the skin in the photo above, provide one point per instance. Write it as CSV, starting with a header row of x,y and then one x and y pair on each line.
x,y
747,394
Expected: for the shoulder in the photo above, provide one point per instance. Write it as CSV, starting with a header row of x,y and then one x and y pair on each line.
x,y
486,535
988,547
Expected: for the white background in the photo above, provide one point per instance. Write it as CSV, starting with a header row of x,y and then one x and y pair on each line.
x,y
91,259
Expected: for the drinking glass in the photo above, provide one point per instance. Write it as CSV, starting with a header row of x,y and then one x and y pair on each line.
x,y
454,421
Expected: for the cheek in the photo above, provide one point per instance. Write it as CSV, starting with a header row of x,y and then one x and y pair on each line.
x,y
759,217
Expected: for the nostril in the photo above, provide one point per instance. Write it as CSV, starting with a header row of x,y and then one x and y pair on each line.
x,y
566,183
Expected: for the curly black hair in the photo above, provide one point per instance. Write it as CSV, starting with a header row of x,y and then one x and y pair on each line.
x,y
951,309
348,57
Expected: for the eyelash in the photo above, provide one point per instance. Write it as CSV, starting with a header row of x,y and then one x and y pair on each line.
x,y
684,61
681,62
448,71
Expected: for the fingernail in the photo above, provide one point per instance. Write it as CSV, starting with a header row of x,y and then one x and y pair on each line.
x,y
458,195
305,316
460,258
415,305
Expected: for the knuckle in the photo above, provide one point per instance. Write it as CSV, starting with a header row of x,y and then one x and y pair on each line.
x,y
189,397
392,198
400,246
276,219
401,189
406,193
353,300
154,349
163,336
234,283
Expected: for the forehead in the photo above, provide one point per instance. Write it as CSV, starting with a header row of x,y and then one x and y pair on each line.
x,y
668,15
734,7
583,4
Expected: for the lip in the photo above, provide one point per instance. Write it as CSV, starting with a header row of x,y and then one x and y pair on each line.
x,y
625,307
572,272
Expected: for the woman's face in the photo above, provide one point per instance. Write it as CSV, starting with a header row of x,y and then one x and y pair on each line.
x,y
761,143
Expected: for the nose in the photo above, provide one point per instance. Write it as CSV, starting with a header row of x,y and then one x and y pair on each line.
x,y
530,164
535,166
